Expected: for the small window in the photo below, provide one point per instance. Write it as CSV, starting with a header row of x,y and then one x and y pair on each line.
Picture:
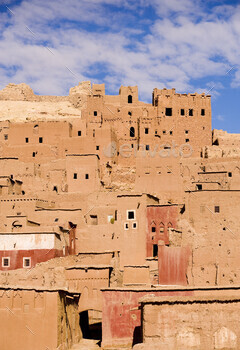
x,y
199,187
26,262
155,250
55,189
132,132
186,131
86,176
147,147
161,229
156,132
79,133
130,113
75,176
95,113
130,99
229,174
168,112
164,132
146,131
93,134
6,137
26,139
40,140
94,219
190,112
134,225
5,262
153,229
126,226
170,132
130,214
33,154
186,140
202,112
182,111
97,148
217,209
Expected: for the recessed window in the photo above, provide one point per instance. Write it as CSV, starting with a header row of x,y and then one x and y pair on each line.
x,y
132,132
6,137
130,214
130,113
168,112
86,176
170,132
186,140
79,133
130,99
97,148
34,154
146,131
164,132
186,131
134,225
126,226
199,187
156,132
26,140
93,133
153,229
155,250
5,262
229,174
190,112
75,176
26,262
202,112
147,147
182,112
40,140
217,209
95,113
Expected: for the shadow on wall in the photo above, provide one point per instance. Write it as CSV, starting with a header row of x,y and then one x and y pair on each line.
x,y
90,331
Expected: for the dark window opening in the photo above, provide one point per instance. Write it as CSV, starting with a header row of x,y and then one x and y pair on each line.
x,y
186,131
94,219
97,148
217,209
134,225
132,132
131,215
86,176
182,111
155,250
168,112
26,262
6,262
202,112
26,139
229,174
186,140
130,99
164,132
199,187
132,145
190,112
153,229
170,132
75,176
34,154
146,131
40,139
5,137
95,113
147,147
79,133
55,188
93,133
130,114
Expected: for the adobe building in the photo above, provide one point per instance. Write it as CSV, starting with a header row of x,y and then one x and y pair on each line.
x,y
109,199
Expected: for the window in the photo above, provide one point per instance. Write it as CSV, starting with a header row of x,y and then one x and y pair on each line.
x,y
132,132
130,113
75,176
164,132
155,250
182,112
146,131
34,154
199,187
217,209
5,262
26,139
93,133
55,188
130,214
168,112
93,219
147,147
170,132
202,112
153,229
40,140
229,174
26,262
86,176
186,140
126,227
190,112
134,225
97,148
79,133
186,131
6,137
95,113
130,99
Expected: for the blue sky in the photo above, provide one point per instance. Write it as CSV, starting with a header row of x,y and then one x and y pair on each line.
x,y
193,46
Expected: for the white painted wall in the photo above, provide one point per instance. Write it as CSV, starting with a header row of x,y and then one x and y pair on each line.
x,y
27,241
